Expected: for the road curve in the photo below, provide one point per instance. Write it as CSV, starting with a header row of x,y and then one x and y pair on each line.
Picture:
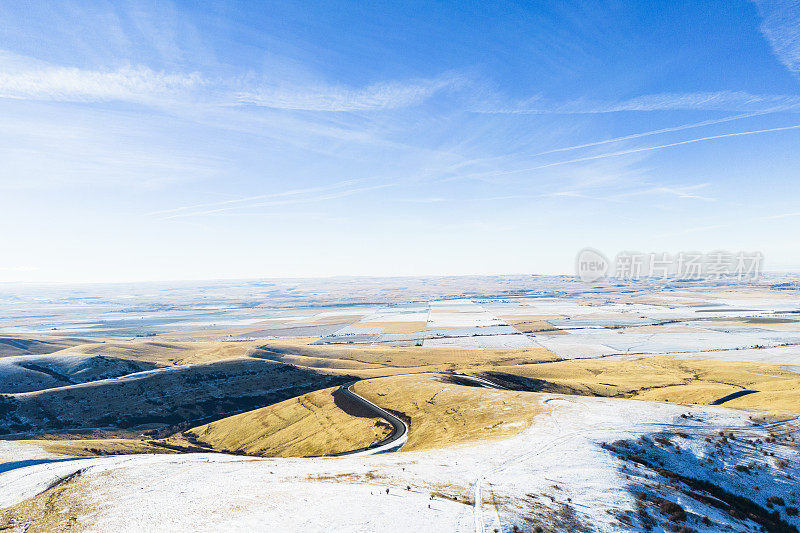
x,y
396,439
399,435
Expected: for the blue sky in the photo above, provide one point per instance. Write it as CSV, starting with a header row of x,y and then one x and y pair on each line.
x,y
175,141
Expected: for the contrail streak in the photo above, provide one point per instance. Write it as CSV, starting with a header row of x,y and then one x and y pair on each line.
x,y
646,149
273,203
657,132
293,192
679,143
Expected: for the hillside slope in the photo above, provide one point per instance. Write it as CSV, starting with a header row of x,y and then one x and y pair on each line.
x,y
38,372
323,422
161,397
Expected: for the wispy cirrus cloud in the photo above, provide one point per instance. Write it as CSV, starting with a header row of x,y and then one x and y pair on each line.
x,y
687,192
711,101
614,154
294,196
695,101
660,131
25,78
781,27
668,145
379,96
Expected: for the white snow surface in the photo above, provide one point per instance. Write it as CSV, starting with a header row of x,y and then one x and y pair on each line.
x,y
782,355
511,477
516,340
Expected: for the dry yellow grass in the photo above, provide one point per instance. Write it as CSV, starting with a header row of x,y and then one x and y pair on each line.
x,y
441,413
782,398
536,326
697,393
88,447
664,378
660,378
168,397
603,378
323,422
11,345
60,508
392,359
166,353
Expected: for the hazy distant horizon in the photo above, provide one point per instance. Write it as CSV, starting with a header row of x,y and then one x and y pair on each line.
x,y
766,273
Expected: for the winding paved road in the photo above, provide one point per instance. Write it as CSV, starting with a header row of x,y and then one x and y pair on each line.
x,y
399,435
396,439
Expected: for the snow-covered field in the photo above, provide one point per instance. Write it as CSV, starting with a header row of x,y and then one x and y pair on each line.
x,y
556,473
676,324
592,341
448,323
479,341
786,356
586,463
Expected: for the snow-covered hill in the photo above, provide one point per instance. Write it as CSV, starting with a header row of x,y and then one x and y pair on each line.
x,y
587,464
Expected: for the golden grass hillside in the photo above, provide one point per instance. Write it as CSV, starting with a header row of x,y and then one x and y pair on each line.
x,y
306,418
29,345
77,447
442,413
166,353
323,422
526,325
62,507
378,360
439,413
164,397
664,378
